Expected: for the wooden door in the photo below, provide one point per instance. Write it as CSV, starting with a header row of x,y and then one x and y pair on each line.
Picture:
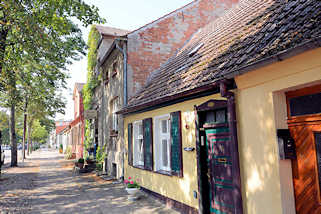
x,y
219,163
304,108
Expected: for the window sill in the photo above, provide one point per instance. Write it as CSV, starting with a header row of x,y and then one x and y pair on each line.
x,y
163,172
139,167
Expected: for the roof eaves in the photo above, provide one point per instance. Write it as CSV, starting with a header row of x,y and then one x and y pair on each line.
x,y
143,106
309,45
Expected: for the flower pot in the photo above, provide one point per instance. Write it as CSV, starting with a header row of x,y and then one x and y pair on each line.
x,y
132,193
80,165
60,151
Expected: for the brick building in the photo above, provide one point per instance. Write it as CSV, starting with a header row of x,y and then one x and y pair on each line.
x,y
130,59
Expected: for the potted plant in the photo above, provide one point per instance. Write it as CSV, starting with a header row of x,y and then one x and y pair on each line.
x,y
132,188
80,163
60,148
89,161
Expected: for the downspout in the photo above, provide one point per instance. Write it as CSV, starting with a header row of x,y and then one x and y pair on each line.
x,y
103,112
124,52
237,195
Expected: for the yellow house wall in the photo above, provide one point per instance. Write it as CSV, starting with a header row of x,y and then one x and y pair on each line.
x,y
258,120
179,189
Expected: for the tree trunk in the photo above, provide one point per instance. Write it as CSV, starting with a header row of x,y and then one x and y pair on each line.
x,y
24,131
13,141
29,138
24,136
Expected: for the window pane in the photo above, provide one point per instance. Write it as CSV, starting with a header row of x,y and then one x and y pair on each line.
x,y
141,150
140,131
164,126
165,153
220,116
308,104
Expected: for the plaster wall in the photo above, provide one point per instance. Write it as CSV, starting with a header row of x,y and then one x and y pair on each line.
x,y
113,89
179,189
266,181
104,47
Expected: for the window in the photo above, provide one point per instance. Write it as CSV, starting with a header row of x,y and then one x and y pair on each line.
x,y
114,106
156,144
138,139
162,143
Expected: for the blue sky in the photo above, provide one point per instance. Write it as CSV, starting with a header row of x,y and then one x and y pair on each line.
x,y
124,14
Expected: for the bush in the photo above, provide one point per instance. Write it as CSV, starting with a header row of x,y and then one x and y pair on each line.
x,y
99,166
100,154
81,160
68,153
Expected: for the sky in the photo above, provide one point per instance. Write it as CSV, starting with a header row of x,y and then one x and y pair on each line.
x,y
123,14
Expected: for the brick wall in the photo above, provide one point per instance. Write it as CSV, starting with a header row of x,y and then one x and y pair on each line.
x,y
151,45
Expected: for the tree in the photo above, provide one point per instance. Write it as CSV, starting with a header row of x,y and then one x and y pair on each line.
x,y
40,32
39,132
4,127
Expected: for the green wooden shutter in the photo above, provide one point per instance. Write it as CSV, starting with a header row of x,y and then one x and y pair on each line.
x,y
176,144
148,143
130,144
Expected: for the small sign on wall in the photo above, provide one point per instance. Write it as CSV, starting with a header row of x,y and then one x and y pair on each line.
x,y
90,114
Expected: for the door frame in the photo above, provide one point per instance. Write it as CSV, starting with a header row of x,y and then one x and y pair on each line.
x,y
210,105
305,120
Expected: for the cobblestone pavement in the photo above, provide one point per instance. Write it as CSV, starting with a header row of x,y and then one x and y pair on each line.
x,y
46,184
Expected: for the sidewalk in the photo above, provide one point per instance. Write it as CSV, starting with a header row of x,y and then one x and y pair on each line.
x,y
46,184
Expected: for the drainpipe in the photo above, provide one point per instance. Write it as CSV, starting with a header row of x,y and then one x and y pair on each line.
x,y
237,195
124,52
103,112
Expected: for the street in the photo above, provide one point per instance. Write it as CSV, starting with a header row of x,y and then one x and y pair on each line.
x,y
45,183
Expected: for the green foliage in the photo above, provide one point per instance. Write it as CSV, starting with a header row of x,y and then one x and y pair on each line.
x,y
60,146
68,153
4,127
39,132
81,160
92,81
99,166
100,154
93,40
38,40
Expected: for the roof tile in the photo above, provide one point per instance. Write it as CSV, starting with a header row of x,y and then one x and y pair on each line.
x,y
249,32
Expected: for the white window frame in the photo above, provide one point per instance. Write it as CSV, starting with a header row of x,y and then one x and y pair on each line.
x,y
159,136
114,106
138,148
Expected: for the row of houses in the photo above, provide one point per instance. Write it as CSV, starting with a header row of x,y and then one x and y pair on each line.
x,y
70,134
215,107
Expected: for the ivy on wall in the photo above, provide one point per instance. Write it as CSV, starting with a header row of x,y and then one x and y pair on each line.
x,y
92,81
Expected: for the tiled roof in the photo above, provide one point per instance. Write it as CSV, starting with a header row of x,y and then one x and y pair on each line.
x,y
110,31
250,32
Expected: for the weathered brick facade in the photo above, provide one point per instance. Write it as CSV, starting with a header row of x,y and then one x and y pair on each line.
x,y
152,45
